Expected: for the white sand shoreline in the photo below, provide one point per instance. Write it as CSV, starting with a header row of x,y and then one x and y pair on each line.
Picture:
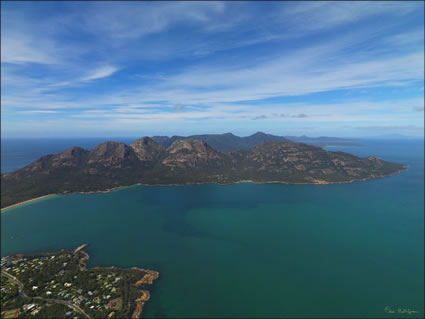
x,y
28,201
317,182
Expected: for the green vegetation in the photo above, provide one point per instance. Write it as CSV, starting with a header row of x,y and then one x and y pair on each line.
x,y
111,164
56,285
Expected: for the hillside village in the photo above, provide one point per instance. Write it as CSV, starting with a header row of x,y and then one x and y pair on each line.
x,y
58,284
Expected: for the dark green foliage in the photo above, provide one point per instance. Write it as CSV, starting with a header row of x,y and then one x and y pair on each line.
x,y
60,278
110,165
224,142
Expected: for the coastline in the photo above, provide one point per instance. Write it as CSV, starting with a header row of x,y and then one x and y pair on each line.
x,y
148,278
316,182
28,201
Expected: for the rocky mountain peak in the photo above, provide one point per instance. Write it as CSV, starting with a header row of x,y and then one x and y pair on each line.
x,y
190,153
111,154
72,152
113,164
189,145
147,149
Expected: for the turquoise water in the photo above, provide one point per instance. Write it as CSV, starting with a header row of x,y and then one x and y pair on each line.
x,y
246,250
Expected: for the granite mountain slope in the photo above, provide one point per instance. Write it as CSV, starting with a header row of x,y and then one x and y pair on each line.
x,y
113,164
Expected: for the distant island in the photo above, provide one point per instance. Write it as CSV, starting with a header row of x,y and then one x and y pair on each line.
x,y
269,159
229,142
58,285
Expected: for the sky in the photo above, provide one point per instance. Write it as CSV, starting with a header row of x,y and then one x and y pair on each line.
x,y
94,69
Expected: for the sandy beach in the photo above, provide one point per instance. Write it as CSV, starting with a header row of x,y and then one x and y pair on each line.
x,y
316,182
27,201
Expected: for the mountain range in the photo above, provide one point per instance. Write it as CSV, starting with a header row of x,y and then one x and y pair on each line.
x,y
228,142
259,158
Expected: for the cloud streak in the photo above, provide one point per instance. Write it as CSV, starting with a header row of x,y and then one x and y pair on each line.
x,y
100,73
186,62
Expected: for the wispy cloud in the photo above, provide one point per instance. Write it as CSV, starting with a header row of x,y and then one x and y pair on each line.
x,y
142,19
100,73
20,48
184,62
389,127
38,112
319,15
274,115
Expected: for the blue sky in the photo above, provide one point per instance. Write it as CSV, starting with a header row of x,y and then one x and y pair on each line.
x,y
71,69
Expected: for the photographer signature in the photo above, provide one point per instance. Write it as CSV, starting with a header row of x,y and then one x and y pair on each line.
x,y
399,310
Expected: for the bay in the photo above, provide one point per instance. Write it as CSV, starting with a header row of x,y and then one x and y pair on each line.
x,y
247,250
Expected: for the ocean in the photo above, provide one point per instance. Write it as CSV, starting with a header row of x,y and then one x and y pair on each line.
x,y
246,250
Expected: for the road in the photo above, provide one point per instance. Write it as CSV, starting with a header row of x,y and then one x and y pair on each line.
x,y
74,307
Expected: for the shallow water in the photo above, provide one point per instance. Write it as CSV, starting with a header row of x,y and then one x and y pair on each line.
x,y
247,250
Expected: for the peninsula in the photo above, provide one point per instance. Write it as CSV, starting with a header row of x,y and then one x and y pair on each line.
x,y
110,165
58,285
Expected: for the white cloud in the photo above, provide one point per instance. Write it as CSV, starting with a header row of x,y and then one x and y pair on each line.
x,y
406,38
18,48
304,72
204,86
319,15
38,112
141,19
100,73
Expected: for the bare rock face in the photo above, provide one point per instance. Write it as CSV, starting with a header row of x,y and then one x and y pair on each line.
x,y
147,150
113,164
112,154
190,153
71,157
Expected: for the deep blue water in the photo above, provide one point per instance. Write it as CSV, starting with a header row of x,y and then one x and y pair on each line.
x,y
247,250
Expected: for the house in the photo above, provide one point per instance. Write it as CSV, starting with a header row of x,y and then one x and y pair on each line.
x,y
34,287
35,311
28,306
